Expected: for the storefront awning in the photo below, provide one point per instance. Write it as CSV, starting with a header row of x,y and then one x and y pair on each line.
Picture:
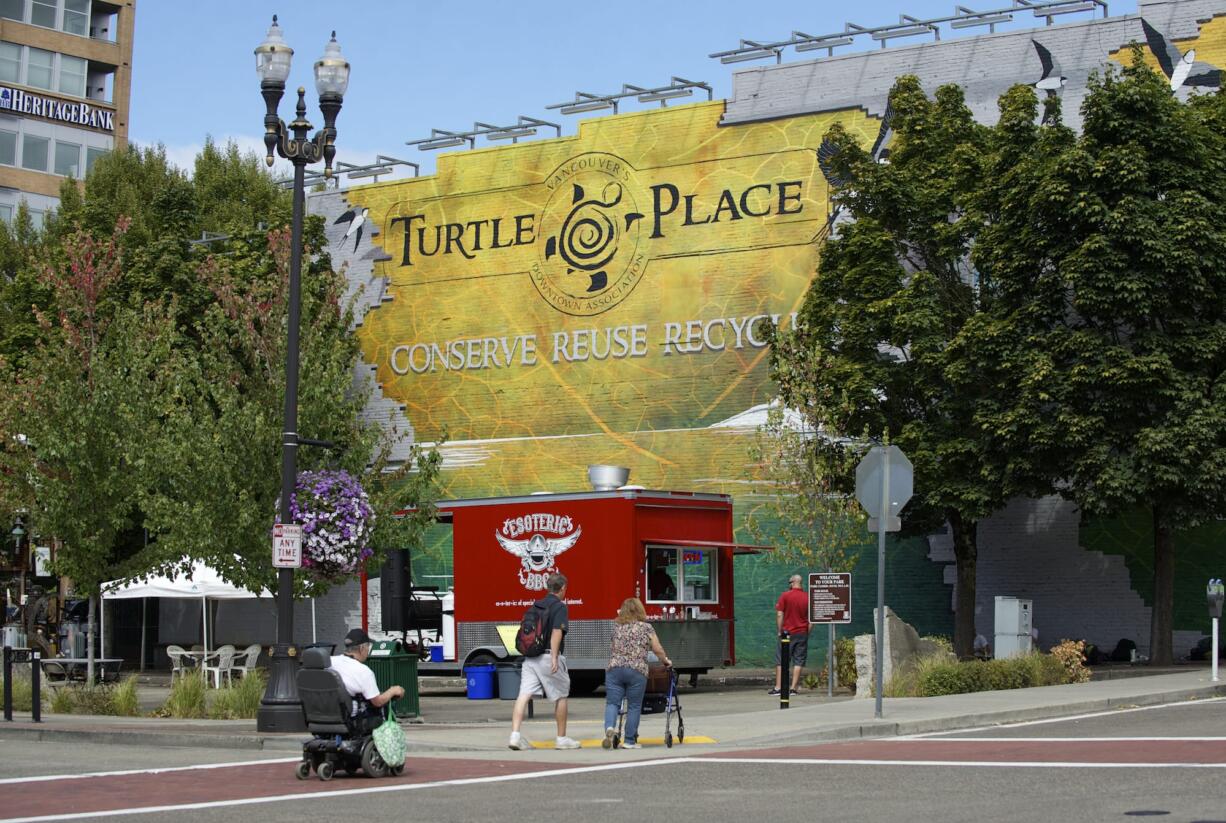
x,y
737,548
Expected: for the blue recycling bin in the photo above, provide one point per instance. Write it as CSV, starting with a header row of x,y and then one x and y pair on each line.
x,y
480,682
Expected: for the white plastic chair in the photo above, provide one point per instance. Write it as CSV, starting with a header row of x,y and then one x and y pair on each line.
x,y
180,661
223,662
244,661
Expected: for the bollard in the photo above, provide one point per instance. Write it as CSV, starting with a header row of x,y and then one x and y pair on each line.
x,y
785,670
36,683
8,683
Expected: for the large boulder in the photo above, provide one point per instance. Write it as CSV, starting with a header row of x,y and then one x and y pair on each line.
x,y
903,648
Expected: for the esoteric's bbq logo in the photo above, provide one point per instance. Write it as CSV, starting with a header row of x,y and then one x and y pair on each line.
x,y
589,260
537,552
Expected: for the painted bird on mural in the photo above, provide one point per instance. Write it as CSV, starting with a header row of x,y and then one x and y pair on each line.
x,y
1053,78
1052,81
1182,68
356,218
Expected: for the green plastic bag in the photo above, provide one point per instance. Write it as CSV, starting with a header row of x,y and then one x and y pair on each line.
x,y
389,741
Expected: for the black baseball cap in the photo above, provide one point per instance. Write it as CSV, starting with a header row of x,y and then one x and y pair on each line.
x,y
356,637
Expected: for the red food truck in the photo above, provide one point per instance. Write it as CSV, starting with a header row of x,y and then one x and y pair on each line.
x,y
673,550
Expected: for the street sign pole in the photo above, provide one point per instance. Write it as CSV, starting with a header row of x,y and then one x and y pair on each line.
x,y
883,520
832,668
883,499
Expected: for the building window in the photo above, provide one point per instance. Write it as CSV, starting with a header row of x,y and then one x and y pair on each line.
x,y
76,17
36,218
67,159
91,157
72,75
34,152
42,13
10,62
8,148
39,65
13,9
6,213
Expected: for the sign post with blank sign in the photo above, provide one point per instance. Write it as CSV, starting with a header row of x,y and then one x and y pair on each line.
x,y
884,482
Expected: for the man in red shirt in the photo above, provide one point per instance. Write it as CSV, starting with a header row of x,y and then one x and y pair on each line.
x,y
792,616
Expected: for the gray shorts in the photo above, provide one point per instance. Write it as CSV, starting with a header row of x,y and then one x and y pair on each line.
x,y
798,649
535,678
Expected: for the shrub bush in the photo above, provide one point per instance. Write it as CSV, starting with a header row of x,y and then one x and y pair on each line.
x,y
845,665
976,676
1072,655
118,700
240,701
845,662
23,692
186,698
124,700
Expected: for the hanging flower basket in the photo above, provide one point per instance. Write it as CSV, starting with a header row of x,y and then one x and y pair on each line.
x,y
336,518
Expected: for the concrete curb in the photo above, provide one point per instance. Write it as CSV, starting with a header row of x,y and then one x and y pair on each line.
x,y
887,728
180,738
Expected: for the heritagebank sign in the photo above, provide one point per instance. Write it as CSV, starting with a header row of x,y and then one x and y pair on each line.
x,y
79,114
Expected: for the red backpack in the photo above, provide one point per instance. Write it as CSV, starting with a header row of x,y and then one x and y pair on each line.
x,y
532,639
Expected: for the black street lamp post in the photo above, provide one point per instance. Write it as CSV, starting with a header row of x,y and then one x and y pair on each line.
x,y
281,708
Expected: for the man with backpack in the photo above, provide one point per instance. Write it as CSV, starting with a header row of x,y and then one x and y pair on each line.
x,y
544,667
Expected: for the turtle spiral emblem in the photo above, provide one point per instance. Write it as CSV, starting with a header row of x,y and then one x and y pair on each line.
x,y
590,260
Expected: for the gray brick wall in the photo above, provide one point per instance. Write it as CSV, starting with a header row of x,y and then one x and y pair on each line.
x,y
985,66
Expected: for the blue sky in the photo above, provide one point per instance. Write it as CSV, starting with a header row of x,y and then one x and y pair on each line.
x,y
419,65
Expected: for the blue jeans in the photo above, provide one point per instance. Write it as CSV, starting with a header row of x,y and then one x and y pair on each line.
x,y
620,682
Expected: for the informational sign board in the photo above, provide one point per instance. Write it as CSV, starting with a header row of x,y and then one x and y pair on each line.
x,y
287,546
830,597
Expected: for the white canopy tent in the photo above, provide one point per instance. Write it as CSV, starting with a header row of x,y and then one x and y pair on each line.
x,y
202,583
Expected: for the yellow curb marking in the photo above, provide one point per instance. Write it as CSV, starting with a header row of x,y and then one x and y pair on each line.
x,y
595,743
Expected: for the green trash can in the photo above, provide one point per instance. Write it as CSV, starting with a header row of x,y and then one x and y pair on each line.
x,y
395,667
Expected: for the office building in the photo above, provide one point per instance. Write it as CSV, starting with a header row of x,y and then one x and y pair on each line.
x,y
65,87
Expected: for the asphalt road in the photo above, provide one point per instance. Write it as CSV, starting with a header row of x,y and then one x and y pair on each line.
x,y
1167,762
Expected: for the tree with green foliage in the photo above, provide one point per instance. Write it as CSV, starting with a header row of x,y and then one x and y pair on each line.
x,y
894,287
1106,343
220,450
85,399
195,405
805,510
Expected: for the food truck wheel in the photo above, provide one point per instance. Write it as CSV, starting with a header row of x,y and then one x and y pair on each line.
x,y
481,659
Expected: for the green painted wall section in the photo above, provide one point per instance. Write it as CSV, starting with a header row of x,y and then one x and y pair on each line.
x,y
1200,554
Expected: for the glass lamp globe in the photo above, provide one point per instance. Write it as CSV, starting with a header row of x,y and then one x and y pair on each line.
x,y
332,70
273,56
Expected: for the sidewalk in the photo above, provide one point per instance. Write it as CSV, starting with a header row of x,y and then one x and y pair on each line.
x,y
732,718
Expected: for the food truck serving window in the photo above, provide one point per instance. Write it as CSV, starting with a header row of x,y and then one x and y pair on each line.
x,y
680,574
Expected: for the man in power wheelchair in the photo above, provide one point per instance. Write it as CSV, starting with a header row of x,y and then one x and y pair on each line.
x,y
342,705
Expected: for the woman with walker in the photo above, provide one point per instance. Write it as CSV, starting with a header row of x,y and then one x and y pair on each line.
x,y
626,676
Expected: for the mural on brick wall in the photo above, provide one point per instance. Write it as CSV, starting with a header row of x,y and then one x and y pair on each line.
x,y
599,298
